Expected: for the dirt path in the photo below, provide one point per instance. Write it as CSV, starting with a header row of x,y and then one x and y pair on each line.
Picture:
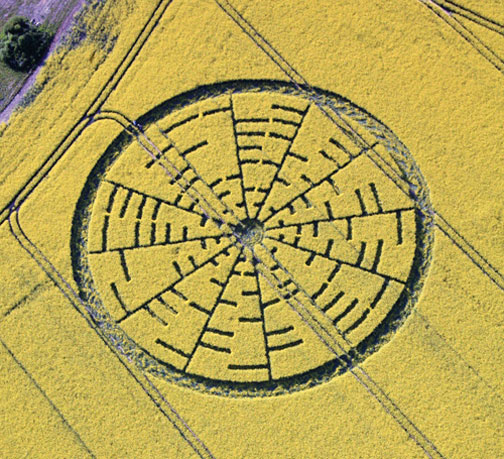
x,y
43,10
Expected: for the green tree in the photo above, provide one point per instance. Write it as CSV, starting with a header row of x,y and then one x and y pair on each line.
x,y
23,44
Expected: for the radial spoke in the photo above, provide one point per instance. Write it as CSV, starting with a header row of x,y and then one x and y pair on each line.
x,y
238,159
172,285
219,297
345,217
202,239
337,260
326,178
282,162
261,305
175,203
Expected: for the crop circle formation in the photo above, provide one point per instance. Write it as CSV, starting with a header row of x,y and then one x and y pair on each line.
x,y
197,237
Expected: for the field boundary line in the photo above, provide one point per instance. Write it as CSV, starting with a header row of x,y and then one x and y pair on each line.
x,y
37,177
73,134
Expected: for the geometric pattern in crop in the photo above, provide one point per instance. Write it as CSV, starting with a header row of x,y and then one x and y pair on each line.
x,y
171,233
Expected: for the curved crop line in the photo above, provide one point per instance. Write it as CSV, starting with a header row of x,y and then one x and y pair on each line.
x,y
409,190
76,130
154,394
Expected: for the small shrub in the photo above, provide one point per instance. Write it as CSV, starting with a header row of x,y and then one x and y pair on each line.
x,y
23,44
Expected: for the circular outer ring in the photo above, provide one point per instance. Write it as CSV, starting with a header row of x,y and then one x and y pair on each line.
x,y
410,174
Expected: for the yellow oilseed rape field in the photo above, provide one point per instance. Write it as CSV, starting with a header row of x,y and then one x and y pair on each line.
x,y
247,229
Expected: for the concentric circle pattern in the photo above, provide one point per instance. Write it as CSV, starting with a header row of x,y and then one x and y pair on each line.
x,y
241,204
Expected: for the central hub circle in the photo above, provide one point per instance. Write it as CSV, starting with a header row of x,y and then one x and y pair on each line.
x,y
250,231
